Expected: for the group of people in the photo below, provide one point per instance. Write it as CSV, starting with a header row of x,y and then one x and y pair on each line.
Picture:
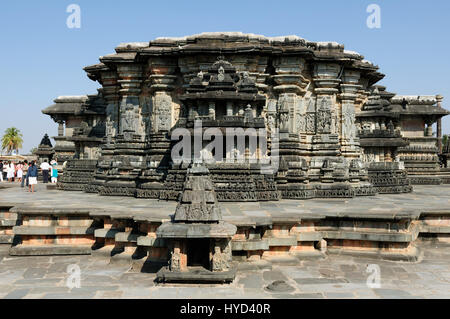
x,y
27,173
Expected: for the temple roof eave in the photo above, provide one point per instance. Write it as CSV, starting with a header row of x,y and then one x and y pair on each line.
x,y
424,110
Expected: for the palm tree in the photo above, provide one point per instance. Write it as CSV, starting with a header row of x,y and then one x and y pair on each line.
x,y
12,140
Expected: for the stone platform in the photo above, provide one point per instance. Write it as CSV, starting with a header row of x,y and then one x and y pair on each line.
x,y
123,229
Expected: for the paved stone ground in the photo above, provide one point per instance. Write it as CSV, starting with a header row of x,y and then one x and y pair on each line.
x,y
333,277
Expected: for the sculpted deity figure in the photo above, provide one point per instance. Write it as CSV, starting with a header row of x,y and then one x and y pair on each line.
x,y
221,75
128,120
175,261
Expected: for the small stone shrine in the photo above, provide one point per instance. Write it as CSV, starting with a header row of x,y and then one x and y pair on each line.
x,y
199,241
45,150
380,141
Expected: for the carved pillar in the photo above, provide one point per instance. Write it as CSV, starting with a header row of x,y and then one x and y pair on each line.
x,y
327,113
130,78
212,110
229,108
439,99
349,90
290,86
60,128
429,129
162,83
111,86
325,144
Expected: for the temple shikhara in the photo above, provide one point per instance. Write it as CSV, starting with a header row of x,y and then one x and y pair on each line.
x,y
322,123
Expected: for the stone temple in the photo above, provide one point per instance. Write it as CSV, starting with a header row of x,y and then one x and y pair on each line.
x,y
338,133
292,120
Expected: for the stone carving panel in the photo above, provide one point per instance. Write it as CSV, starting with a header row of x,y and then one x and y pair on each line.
x,y
348,121
324,121
163,111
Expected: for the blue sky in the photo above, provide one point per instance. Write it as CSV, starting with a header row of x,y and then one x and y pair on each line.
x,y
40,58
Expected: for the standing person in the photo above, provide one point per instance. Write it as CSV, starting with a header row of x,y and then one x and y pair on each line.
x,y
54,173
1,171
25,170
11,171
19,170
32,176
5,171
45,167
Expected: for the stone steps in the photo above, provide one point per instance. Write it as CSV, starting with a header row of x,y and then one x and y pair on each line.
x,y
7,221
52,231
49,250
284,238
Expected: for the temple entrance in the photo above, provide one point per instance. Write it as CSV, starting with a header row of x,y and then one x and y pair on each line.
x,y
198,253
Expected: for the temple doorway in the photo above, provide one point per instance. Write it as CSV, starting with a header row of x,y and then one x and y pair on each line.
x,y
198,253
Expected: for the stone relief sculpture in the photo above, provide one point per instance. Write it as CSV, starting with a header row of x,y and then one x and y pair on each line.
x,y
311,116
163,109
348,127
324,117
128,120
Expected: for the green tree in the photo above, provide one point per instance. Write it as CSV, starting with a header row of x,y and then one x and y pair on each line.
x,y
12,140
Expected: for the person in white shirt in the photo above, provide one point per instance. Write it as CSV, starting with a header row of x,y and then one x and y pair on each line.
x,y
45,167
11,171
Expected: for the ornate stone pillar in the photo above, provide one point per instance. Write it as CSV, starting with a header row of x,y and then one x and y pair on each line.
x,y
439,99
325,144
165,113
348,96
111,95
161,83
212,110
290,86
328,125
229,108
61,128
130,79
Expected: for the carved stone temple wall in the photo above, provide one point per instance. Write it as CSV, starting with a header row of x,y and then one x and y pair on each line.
x,y
313,100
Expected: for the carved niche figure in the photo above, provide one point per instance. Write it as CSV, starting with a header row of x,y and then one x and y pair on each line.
x,y
175,260
348,127
284,113
128,120
163,111
221,75
220,260
324,117
301,117
311,116
270,123
390,126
